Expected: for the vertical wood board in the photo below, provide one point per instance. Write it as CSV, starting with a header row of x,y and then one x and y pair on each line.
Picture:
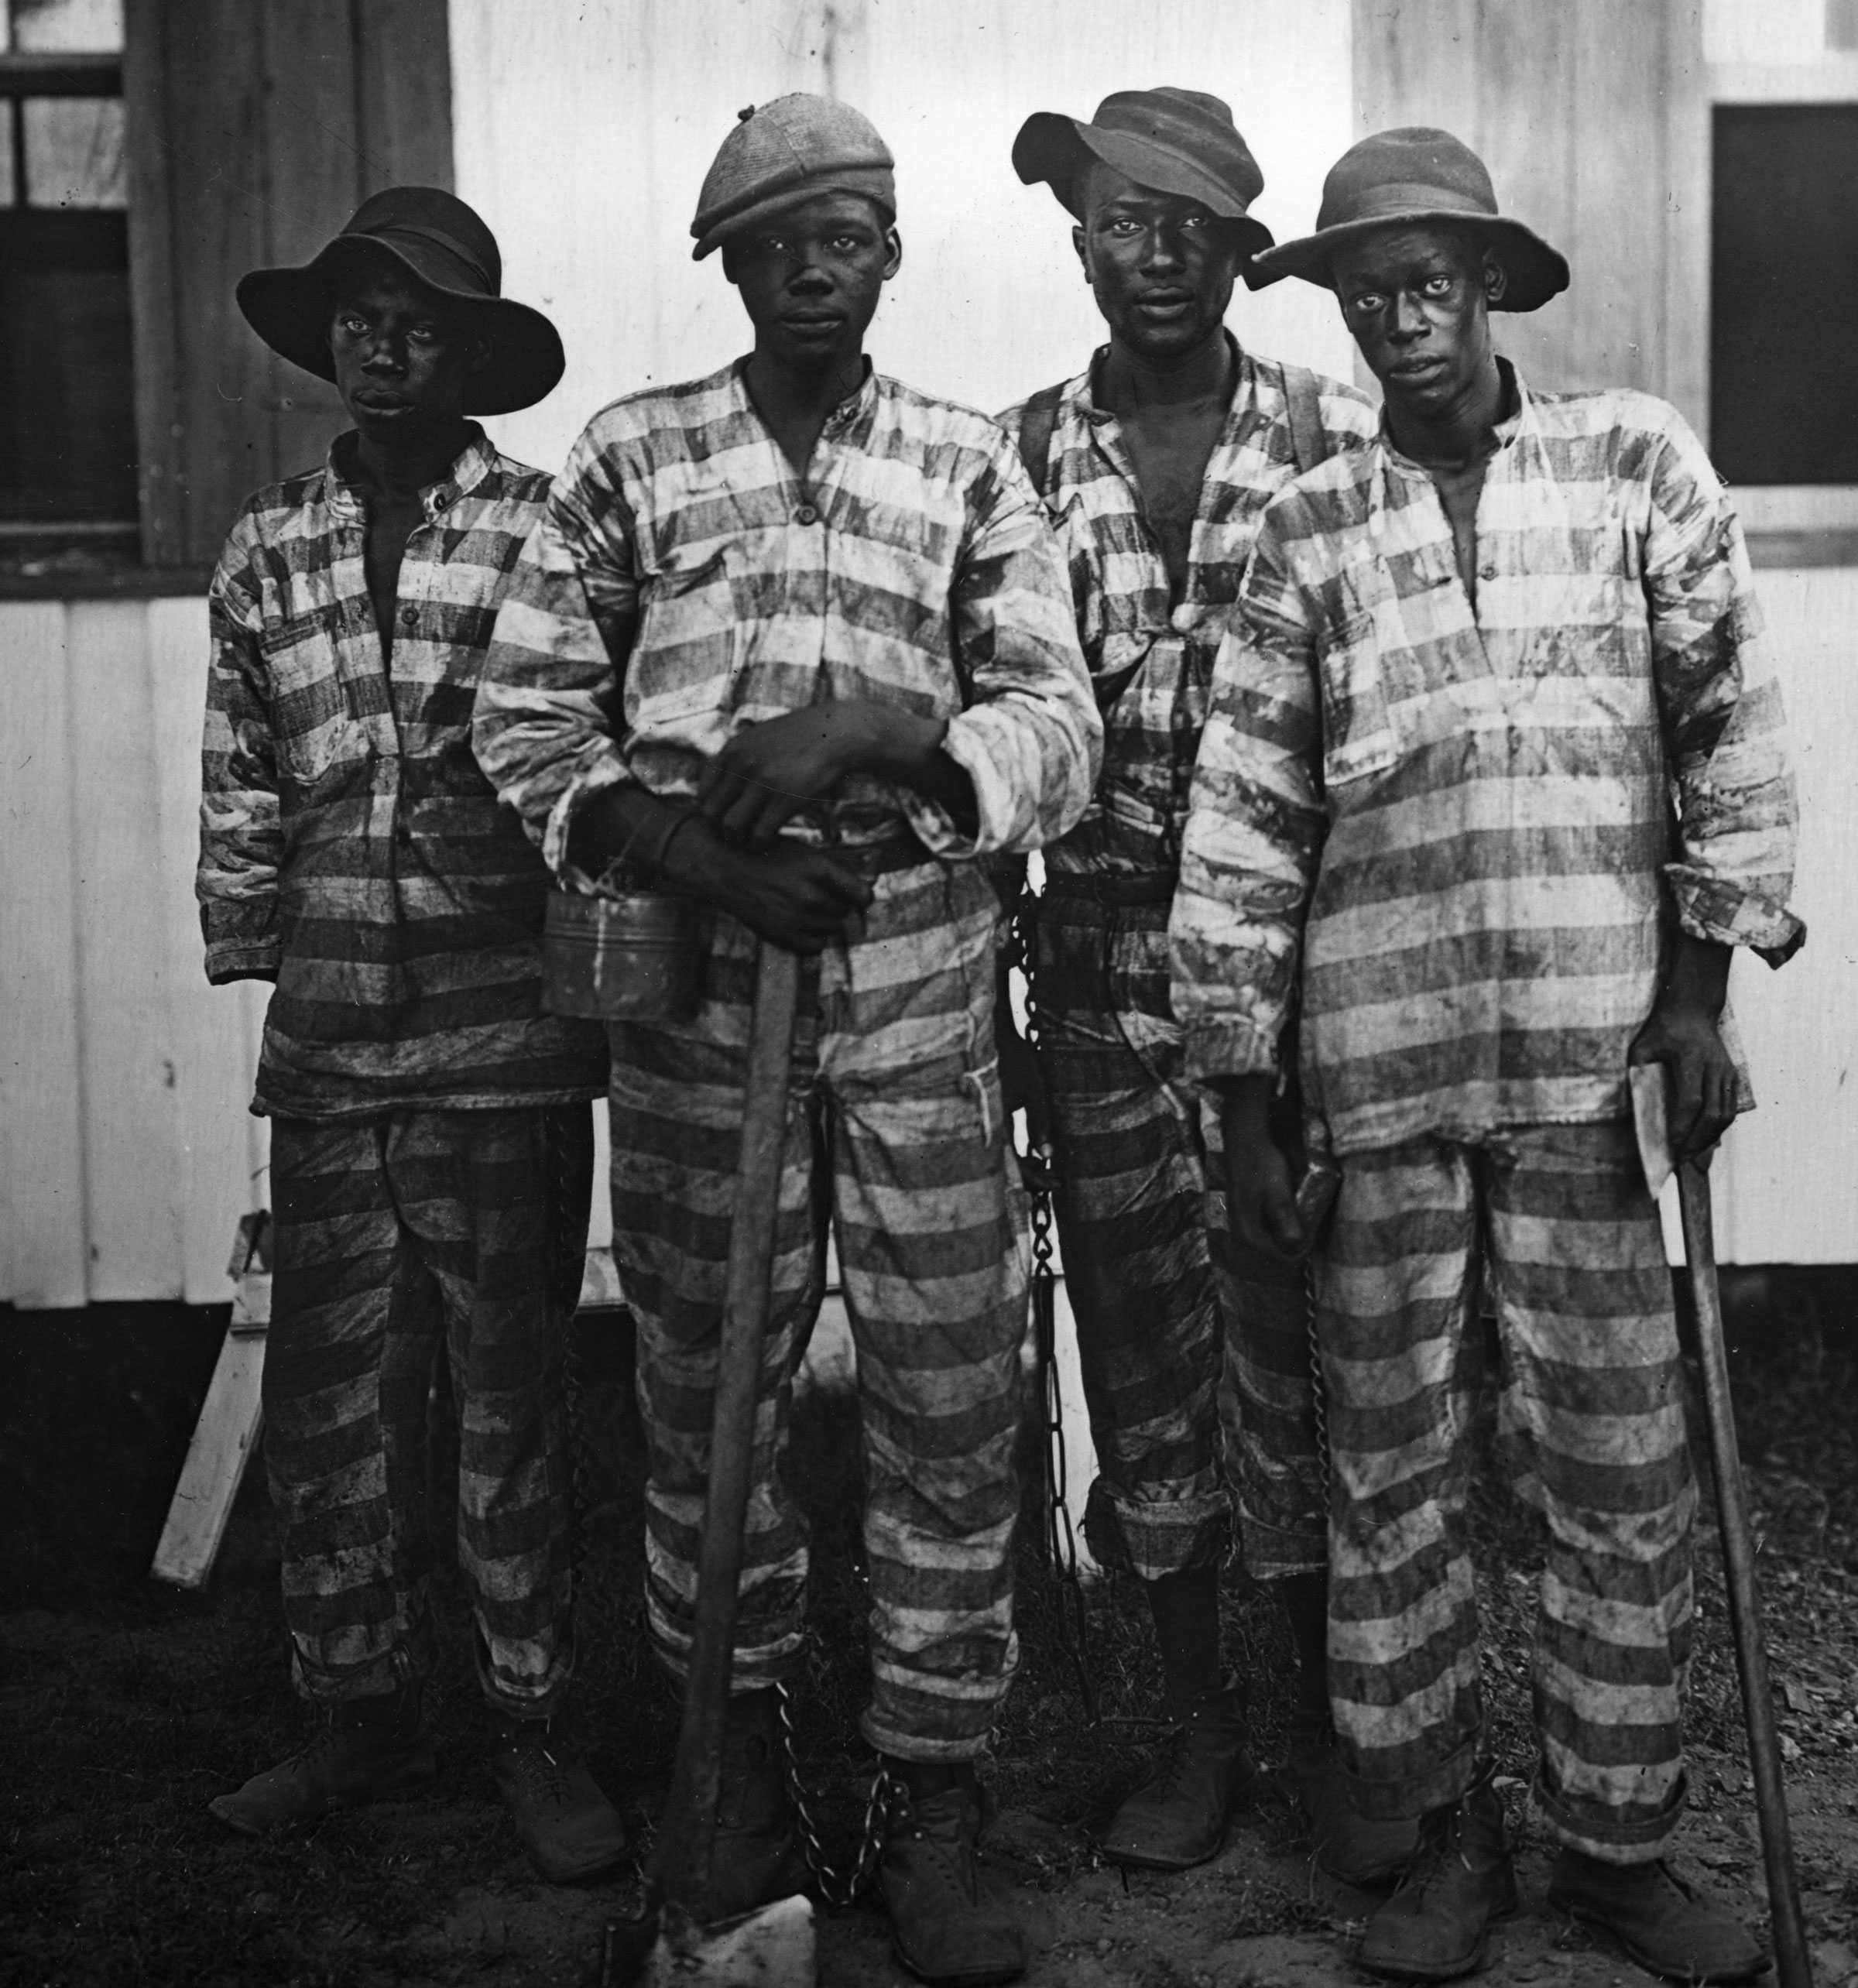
x,y
41,1185
152,281
403,85
130,1126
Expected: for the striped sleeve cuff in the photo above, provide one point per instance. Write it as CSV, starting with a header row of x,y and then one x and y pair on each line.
x,y
1228,1047
1730,914
608,770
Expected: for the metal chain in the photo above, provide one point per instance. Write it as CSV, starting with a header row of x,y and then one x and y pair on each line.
x,y
1319,1392
837,1888
1059,1541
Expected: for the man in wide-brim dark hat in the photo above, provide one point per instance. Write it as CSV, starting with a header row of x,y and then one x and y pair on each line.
x,y
1465,663
1155,462
432,1143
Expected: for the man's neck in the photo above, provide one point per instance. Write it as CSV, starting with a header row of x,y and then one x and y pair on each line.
x,y
1458,434
398,470
1206,372
796,402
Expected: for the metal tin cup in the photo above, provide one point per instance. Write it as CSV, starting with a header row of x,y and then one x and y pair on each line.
x,y
633,956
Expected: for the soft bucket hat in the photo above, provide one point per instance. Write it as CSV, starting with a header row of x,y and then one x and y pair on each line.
x,y
440,242
785,153
1173,141
1413,176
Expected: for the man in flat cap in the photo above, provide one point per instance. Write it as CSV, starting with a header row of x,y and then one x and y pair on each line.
x,y
431,1130
1157,462
1473,668
796,640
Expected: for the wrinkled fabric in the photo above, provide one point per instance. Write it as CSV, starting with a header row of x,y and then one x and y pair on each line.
x,y
395,1238
1591,1413
683,582
1150,659
1451,832
896,1135
1195,1353
349,844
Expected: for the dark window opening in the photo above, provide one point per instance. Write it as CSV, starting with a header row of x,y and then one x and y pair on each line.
x,y
67,412
1783,294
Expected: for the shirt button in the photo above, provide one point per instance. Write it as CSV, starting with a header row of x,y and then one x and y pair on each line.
x,y
806,515
1486,573
409,617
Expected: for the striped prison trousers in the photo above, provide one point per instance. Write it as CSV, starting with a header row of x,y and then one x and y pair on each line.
x,y
1196,1355
895,1135
395,1237
1592,1417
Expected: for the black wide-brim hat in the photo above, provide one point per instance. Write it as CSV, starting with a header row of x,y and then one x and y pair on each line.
x,y
1172,141
441,243
1417,176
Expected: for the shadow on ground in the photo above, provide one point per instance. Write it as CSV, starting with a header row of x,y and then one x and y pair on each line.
x,y
124,1707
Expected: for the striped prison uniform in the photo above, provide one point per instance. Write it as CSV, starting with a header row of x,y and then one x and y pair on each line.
x,y
1177,1331
684,583
427,1113
399,1237
1460,816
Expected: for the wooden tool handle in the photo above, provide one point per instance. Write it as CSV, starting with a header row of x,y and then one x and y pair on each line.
x,y
1792,1967
681,1864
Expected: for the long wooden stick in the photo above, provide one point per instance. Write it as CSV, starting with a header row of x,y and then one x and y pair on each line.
x,y
685,1855
1792,1967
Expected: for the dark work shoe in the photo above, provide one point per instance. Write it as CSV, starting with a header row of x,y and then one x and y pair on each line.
x,y
1662,1922
1176,1818
757,1857
950,1919
1348,1845
567,1826
364,1749
1437,1925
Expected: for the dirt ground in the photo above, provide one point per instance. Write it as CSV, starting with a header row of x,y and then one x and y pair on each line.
x,y
124,1707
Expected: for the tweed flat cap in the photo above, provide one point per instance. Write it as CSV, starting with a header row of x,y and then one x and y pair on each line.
x,y
785,153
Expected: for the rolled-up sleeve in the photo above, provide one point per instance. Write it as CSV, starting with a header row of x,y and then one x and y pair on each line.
x,y
1254,831
1030,739
241,839
547,721
1724,727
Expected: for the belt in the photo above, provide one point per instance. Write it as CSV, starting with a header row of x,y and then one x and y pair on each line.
x,y
1110,889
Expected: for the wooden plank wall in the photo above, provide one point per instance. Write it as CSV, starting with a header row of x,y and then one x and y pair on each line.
x,y
126,1154
255,129
1592,117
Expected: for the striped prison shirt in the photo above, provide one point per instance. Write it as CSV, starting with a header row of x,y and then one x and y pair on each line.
x,y
681,558
1465,816
349,844
1151,658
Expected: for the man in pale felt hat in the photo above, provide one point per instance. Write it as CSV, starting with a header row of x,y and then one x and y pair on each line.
x,y
796,640
1157,461
431,1130
1472,666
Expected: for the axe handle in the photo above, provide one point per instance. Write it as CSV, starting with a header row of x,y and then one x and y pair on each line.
x,y
1793,1968
681,1864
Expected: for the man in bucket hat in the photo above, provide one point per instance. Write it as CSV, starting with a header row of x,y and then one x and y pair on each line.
x,y
1157,462
1471,666
796,640
431,1146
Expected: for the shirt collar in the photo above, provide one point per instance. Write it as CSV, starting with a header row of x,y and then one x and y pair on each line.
x,y
1096,414
471,465
1515,397
853,408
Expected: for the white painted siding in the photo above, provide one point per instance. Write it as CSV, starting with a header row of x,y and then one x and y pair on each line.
x,y
126,1151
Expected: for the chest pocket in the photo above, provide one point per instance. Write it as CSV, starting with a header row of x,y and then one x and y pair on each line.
x,y
1358,735
684,663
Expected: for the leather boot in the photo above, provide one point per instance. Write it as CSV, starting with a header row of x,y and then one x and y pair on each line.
x,y
1348,1845
1437,1925
951,1921
758,1856
363,1749
1176,1818
1660,1920
567,1826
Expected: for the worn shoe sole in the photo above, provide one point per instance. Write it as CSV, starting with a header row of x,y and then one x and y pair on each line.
x,y
1451,1970
976,1977
570,1871
1643,1957
1245,1792
416,1773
